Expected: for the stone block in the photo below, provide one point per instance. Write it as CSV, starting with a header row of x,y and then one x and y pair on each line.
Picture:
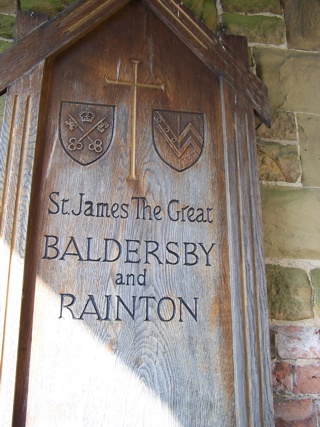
x,y
302,23
283,127
273,351
315,280
289,293
8,6
4,45
7,26
257,28
205,10
210,14
251,6
309,137
291,222
50,7
292,78
297,342
306,379
278,162
282,379
297,413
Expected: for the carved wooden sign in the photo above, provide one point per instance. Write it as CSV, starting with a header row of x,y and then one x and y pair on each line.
x,y
133,272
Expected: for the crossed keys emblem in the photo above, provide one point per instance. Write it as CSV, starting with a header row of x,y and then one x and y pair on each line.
x,y
86,130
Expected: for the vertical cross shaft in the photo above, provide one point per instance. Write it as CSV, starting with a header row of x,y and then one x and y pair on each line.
x,y
134,85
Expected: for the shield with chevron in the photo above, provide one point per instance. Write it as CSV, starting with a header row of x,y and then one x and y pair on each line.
x,y
178,137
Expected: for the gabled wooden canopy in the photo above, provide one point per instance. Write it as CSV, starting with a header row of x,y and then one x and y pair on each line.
x,y
56,35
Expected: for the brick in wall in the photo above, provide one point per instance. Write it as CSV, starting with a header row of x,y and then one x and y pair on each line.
x,y
282,378
295,413
297,342
306,379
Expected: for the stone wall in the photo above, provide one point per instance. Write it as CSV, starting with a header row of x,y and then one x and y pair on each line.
x,y
289,160
284,39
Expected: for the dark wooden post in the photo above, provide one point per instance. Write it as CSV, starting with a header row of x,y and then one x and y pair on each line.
x,y
18,141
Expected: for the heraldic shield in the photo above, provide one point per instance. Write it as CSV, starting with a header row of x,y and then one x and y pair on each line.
x,y
178,137
86,130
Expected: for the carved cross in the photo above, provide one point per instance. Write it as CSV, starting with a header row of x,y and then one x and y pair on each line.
x,y
134,84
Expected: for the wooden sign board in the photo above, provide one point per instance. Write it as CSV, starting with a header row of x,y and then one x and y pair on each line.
x,y
141,269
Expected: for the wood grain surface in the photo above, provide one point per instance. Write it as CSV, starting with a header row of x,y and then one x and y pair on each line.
x,y
248,287
134,236
84,16
182,361
17,150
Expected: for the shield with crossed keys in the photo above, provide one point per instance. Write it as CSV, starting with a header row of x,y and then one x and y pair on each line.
x,y
86,130
178,137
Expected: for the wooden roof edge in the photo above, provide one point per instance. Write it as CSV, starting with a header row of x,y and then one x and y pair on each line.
x,y
54,36
214,53
59,33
